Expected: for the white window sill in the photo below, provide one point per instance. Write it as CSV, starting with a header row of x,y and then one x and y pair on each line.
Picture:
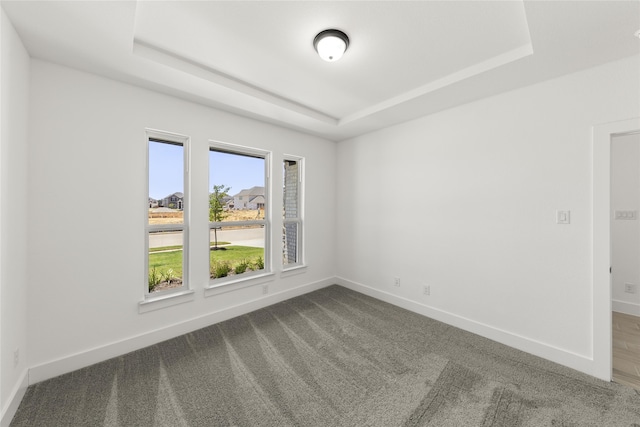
x,y
222,286
165,300
292,271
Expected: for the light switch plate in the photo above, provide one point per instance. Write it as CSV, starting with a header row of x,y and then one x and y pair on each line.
x,y
563,217
628,215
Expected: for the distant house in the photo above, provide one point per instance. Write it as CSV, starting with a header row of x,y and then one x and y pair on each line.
x,y
256,203
153,203
172,201
252,198
227,202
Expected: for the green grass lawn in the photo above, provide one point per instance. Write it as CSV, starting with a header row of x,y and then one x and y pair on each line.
x,y
235,254
163,261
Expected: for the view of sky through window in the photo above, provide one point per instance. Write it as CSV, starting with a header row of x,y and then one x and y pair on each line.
x,y
235,171
231,170
166,173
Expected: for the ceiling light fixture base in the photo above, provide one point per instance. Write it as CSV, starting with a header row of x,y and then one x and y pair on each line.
x,y
331,44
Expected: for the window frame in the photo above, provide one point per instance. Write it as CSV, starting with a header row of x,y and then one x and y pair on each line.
x,y
222,285
153,135
299,219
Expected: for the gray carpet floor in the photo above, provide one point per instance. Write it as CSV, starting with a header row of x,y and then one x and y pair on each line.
x,y
333,357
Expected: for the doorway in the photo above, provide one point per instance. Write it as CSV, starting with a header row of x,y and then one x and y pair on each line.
x,y
601,360
625,258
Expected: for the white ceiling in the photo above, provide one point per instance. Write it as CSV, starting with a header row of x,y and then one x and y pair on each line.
x,y
406,58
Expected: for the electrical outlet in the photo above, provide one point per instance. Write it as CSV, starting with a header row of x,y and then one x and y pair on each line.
x,y
16,357
265,289
396,281
630,288
426,290
563,217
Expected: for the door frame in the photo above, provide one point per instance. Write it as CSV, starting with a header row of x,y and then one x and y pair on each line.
x,y
601,243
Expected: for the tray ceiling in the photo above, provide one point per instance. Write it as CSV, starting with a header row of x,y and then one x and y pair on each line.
x,y
405,59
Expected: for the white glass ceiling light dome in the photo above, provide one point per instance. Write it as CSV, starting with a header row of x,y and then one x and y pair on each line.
x,y
331,44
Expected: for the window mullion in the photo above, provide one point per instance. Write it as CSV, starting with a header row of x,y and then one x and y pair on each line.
x,y
165,227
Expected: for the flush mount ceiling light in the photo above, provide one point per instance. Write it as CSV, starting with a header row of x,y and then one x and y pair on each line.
x,y
331,44
637,34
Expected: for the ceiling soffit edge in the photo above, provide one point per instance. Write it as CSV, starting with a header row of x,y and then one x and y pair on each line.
x,y
153,53
449,80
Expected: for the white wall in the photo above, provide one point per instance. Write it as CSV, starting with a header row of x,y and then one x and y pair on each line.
x,y
14,88
625,233
465,201
88,148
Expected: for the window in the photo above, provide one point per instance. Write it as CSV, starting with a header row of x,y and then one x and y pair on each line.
x,y
167,221
292,213
238,212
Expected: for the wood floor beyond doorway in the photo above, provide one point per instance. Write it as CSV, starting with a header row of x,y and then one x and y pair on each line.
x,y
626,349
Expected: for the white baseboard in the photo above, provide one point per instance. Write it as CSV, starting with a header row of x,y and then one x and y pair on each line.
x,y
563,357
87,358
14,399
626,307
